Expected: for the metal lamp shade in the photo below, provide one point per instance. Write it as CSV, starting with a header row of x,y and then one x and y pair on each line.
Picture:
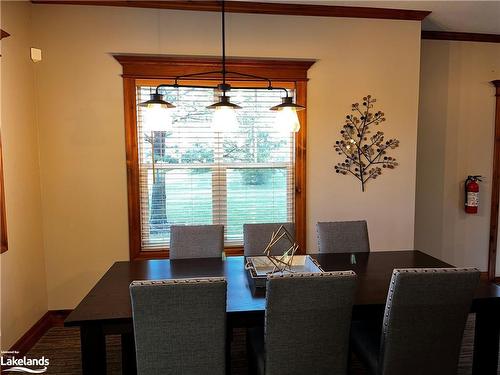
x,y
157,99
287,102
224,102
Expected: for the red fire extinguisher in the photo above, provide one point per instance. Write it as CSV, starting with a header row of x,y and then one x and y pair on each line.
x,y
472,194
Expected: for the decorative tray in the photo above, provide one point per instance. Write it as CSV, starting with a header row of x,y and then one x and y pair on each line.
x,y
260,266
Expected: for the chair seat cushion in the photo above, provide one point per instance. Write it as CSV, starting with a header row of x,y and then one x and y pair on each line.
x,y
365,341
255,348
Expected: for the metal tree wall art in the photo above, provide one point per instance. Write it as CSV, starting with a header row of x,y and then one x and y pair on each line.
x,y
365,151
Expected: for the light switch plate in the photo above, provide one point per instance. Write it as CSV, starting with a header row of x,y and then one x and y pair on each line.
x,y
36,54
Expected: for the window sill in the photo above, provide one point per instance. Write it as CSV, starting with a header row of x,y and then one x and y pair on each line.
x,y
164,253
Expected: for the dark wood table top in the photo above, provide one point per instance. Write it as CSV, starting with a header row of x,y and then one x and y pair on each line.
x,y
109,300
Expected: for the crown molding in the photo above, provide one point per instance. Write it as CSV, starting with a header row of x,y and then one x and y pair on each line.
x,y
464,37
259,8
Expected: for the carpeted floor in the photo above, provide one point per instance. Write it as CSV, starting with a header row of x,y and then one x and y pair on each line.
x,y
62,346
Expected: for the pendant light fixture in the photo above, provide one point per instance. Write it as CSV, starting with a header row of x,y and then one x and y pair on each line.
x,y
224,119
286,116
224,115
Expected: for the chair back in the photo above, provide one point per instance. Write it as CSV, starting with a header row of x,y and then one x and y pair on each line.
x,y
308,317
179,326
424,320
256,237
196,241
343,237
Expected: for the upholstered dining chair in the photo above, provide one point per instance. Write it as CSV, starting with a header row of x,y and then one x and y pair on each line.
x,y
256,237
196,241
424,320
180,326
308,317
343,237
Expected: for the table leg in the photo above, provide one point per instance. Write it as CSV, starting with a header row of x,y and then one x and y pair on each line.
x,y
486,340
129,366
93,347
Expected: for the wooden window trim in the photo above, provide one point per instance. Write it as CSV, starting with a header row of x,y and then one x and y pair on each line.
x,y
4,245
140,67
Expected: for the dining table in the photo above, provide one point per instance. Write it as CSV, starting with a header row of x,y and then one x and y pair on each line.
x,y
106,309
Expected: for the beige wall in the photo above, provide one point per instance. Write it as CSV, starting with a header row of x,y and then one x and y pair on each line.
x,y
81,120
455,139
23,283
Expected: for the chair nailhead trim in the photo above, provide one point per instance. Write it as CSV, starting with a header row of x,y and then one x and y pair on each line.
x,y
177,281
436,270
311,274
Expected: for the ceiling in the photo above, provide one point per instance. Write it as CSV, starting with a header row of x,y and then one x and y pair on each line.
x,y
447,15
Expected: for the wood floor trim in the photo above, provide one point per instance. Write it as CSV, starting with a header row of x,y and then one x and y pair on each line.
x,y
52,318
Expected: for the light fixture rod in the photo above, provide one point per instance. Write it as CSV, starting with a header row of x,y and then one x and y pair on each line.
x,y
224,87
224,44
259,78
185,76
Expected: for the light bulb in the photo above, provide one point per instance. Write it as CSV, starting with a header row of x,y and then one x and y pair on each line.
x,y
287,120
157,118
224,120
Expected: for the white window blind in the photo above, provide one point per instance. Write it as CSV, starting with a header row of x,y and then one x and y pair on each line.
x,y
203,177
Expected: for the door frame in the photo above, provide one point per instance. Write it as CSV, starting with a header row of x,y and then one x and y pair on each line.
x,y
495,190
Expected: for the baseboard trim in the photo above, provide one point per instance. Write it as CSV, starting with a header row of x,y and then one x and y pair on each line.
x,y
52,318
59,316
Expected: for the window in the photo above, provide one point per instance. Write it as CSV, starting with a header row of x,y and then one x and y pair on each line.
x,y
204,177
253,174
3,221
